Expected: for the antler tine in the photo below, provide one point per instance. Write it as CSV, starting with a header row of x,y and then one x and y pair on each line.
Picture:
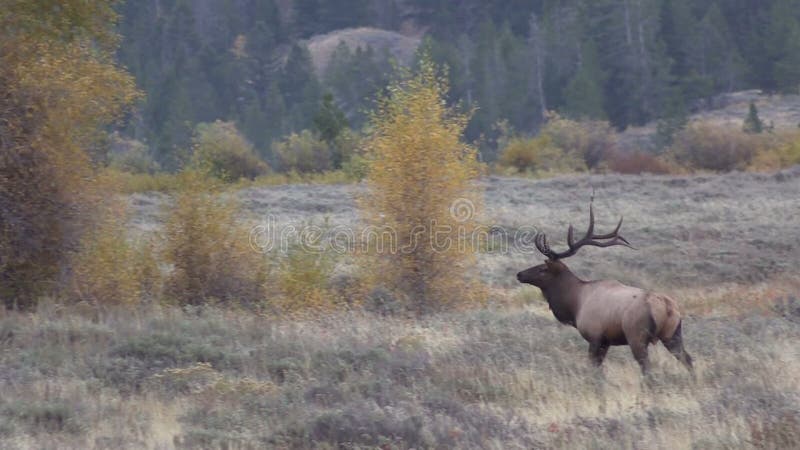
x,y
541,244
612,234
589,239
618,240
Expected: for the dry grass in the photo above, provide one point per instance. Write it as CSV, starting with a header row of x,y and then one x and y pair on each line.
x,y
637,163
162,378
504,376
732,299
133,183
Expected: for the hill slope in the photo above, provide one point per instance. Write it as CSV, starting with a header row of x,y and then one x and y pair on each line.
x,y
401,47
728,110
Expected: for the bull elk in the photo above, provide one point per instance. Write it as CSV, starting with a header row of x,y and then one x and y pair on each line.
x,y
606,312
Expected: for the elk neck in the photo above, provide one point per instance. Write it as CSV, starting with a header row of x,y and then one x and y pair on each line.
x,y
563,295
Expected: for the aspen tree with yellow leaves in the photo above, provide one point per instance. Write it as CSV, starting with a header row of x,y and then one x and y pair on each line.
x,y
60,86
422,193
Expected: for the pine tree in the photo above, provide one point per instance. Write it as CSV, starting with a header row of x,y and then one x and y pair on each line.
x,y
356,78
300,89
253,125
787,68
538,55
674,119
276,117
782,47
715,58
753,124
515,99
583,96
488,72
329,121
679,31
639,71
562,35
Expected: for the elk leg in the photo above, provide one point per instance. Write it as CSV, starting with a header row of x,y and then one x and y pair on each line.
x,y
638,332
597,352
640,354
675,346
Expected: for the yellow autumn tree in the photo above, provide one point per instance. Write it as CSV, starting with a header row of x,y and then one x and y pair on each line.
x,y
422,200
60,87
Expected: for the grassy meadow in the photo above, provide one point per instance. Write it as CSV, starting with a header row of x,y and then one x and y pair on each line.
x,y
505,375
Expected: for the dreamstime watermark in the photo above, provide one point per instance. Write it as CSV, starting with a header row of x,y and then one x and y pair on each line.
x,y
461,234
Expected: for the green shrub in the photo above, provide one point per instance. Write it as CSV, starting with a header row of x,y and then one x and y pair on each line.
x,y
302,153
355,168
220,150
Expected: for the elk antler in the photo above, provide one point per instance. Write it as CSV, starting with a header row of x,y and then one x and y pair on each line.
x,y
589,239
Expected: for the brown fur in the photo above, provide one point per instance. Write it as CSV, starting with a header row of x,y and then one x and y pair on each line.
x,y
610,313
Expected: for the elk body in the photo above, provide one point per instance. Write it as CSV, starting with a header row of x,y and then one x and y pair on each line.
x,y
606,312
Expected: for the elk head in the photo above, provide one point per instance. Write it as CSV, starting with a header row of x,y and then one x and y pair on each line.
x,y
545,274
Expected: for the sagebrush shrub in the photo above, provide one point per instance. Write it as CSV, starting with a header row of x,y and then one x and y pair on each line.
x,y
715,147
